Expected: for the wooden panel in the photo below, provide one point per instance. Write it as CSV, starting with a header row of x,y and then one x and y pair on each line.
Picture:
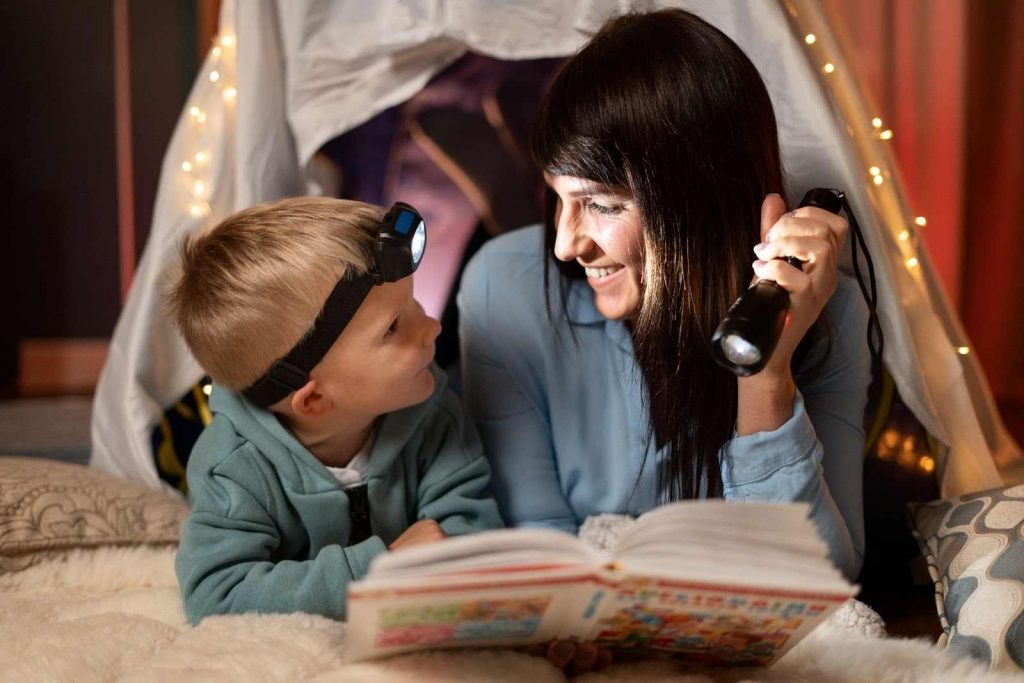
x,y
60,366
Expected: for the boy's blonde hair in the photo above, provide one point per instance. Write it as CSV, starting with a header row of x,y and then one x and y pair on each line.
x,y
245,292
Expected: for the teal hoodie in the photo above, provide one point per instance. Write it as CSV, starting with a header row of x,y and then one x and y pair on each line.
x,y
269,526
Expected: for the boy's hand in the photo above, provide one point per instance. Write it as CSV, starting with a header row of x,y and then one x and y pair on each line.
x,y
572,657
423,531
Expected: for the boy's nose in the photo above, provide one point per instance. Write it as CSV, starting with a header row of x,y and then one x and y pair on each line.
x,y
432,330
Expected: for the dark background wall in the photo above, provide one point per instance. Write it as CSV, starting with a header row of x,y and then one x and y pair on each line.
x,y
58,157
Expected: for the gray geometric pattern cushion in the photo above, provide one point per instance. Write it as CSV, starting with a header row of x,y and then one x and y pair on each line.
x,y
974,546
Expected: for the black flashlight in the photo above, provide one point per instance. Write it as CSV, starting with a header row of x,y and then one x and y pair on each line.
x,y
747,336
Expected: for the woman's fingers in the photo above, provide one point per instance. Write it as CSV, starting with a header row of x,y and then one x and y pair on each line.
x,y
810,250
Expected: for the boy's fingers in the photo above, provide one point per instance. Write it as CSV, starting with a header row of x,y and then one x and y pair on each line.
x,y
561,652
584,659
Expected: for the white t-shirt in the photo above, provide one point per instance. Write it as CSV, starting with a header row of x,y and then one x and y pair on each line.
x,y
354,474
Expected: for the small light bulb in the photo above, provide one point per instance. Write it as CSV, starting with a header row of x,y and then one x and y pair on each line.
x,y
214,76
876,122
207,389
227,41
195,111
216,51
229,93
874,170
926,463
201,157
904,235
828,68
186,166
921,220
810,38
878,180
963,350
202,117
886,134
912,262
196,210
199,189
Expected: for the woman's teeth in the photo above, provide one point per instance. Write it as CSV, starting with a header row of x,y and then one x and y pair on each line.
x,y
601,272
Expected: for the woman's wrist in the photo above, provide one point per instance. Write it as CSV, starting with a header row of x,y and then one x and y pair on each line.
x,y
765,401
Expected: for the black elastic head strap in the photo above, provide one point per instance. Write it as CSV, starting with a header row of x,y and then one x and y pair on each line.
x,y
292,372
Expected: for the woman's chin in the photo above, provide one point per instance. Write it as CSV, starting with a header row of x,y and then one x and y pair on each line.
x,y
615,308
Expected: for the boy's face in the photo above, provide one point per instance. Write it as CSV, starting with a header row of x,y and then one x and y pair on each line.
x,y
381,362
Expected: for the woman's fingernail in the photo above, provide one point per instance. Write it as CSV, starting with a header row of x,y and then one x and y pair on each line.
x,y
774,194
759,264
759,247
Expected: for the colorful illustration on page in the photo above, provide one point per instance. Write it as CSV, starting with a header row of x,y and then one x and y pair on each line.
x,y
461,622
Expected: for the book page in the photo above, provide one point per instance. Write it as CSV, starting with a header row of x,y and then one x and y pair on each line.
x,y
701,625
489,609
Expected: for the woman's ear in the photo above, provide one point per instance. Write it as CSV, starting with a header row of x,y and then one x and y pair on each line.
x,y
309,401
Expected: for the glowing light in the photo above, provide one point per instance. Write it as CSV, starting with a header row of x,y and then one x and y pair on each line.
x,y
904,236
207,389
963,350
195,111
199,209
199,189
227,41
828,68
216,51
921,220
878,180
876,122
202,117
201,157
886,134
874,170
890,438
926,463
186,166
229,93
810,39
911,262
214,76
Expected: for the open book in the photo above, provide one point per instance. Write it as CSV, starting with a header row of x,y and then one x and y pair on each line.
x,y
713,583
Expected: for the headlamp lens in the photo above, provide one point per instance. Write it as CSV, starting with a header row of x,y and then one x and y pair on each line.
x,y
419,241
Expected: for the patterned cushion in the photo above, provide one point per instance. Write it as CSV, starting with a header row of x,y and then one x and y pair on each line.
x,y
974,546
48,506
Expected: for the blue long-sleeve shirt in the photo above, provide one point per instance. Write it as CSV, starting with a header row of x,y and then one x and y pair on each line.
x,y
558,402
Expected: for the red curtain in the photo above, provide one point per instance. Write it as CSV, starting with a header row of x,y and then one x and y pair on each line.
x,y
948,79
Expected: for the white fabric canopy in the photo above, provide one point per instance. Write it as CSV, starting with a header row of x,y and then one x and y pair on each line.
x,y
287,76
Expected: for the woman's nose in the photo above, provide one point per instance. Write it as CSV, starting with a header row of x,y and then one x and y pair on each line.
x,y
568,237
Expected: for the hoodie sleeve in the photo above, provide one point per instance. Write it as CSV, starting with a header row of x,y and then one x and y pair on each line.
x,y
453,486
226,562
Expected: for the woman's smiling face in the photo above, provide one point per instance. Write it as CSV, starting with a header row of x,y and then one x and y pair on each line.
x,y
599,227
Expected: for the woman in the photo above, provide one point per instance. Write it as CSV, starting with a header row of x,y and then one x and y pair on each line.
x,y
590,375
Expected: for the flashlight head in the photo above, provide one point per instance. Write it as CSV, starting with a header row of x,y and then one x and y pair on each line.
x,y
401,243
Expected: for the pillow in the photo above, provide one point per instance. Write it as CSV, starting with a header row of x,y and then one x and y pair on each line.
x,y
48,506
974,546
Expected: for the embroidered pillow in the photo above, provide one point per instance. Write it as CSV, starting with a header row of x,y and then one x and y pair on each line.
x,y
974,546
48,506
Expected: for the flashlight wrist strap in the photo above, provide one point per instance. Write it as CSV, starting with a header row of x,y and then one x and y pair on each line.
x,y
292,372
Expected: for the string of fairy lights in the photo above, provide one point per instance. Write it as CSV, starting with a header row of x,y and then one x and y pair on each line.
x,y
196,169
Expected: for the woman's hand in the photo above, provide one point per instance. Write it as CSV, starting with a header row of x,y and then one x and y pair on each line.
x,y
814,236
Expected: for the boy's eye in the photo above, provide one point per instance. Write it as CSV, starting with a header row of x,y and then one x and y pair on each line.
x,y
602,209
393,328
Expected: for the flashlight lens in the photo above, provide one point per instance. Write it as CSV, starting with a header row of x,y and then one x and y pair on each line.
x,y
419,241
739,351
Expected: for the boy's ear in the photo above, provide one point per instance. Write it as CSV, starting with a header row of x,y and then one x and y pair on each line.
x,y
308,401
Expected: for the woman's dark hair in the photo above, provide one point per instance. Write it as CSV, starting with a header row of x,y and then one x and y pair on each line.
x,y
668,107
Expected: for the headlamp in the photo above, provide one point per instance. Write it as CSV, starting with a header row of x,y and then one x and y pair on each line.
x,y
400,245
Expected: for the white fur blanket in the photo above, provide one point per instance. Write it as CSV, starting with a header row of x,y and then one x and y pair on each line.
x,y
113,614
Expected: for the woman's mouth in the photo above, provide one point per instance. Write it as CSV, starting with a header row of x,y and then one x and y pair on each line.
x,y
600,276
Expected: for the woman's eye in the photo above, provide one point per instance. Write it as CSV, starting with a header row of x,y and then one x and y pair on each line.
x,y
392,329
602,209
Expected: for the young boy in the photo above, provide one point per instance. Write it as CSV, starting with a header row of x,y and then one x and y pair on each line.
x,y
333,438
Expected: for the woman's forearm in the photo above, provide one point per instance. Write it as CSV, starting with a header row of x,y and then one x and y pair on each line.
x,y
765,401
